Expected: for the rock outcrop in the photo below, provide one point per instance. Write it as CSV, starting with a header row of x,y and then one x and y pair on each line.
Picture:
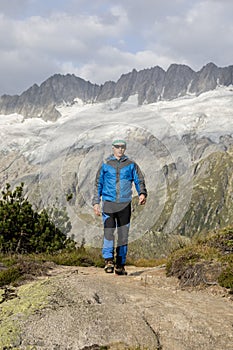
x,y
84,308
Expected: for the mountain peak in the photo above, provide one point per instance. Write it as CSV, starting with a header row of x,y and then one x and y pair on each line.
x,y
180,67
210,65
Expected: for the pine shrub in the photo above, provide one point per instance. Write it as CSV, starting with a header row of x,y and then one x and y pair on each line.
x,y
24,230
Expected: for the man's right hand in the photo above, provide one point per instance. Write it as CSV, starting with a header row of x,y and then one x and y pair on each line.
x,y
97,209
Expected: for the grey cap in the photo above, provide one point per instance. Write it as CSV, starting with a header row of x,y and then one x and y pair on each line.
x,y
118,142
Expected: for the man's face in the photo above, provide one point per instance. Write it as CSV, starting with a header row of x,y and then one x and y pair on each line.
x,y
118,151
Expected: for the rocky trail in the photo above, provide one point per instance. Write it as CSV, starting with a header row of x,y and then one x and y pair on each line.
x,y
84,308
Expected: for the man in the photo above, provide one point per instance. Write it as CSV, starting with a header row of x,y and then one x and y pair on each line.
x,y
114,185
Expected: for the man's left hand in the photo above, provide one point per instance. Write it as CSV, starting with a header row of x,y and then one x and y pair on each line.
x,y
142,199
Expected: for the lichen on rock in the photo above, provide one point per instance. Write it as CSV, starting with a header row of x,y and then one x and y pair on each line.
x,y
27,299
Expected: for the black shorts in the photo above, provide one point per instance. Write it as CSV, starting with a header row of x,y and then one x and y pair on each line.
x,y
116,214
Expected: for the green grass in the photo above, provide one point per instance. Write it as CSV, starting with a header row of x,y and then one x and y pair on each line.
x,y
9,275
77,257
146,262
18,267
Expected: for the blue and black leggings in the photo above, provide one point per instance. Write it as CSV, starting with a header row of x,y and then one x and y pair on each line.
x,y
116,215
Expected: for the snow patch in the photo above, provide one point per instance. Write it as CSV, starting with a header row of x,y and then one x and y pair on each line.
x,y
11,119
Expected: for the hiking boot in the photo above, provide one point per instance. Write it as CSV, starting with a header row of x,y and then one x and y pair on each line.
x,y
109,266
120,270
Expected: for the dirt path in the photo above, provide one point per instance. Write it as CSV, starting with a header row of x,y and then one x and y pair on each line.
x,y
144,310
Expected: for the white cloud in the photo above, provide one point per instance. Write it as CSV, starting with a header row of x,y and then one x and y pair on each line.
x,y
13,7
101,40
203,34
112,63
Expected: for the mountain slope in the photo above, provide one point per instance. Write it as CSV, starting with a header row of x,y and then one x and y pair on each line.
x,y
210,205
173,142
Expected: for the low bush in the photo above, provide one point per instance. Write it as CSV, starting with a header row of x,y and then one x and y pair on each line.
x,y
206,261
226,278
76,257
24,230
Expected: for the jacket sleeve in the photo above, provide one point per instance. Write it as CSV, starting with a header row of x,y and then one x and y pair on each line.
x,y
139,180
98,186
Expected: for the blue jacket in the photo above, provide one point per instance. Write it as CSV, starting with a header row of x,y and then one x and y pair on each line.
x,y
114,180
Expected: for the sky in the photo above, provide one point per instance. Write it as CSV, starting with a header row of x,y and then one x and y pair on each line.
x,y
99,40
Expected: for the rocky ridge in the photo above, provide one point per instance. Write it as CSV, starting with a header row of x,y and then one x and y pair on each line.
x,y
151,85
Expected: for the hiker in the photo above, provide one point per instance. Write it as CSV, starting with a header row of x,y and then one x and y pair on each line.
x,y
113,184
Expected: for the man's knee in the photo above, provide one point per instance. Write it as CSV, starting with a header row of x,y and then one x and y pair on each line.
x,y
109,233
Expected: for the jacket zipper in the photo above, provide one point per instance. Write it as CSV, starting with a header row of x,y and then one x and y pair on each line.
x,y
118,182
